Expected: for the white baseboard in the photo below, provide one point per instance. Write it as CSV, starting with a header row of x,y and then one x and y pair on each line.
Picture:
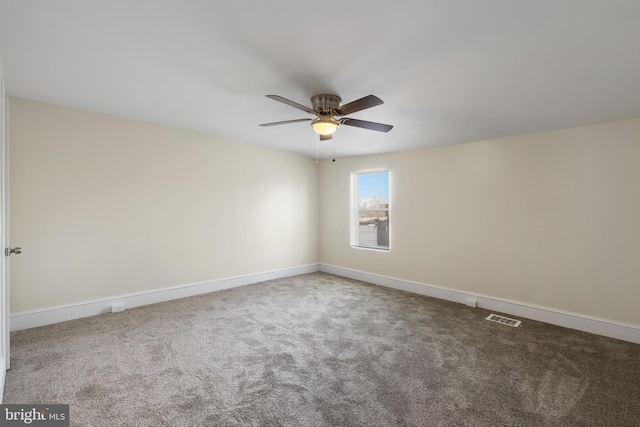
x,y
47,316
581,322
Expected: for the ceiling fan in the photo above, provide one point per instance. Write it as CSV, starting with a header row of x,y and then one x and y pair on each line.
x,y
326,107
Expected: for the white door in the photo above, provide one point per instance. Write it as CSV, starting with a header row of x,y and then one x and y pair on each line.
x,y
4,236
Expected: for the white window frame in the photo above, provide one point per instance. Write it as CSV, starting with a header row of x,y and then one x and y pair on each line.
x,y
355,211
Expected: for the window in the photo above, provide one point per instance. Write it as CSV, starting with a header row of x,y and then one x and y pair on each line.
x,y
370,201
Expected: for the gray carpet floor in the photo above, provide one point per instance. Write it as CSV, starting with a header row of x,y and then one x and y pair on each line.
x,y
321,350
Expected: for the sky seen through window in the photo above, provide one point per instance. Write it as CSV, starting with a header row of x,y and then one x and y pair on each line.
x,y
377,183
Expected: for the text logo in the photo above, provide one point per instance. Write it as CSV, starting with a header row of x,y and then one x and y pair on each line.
x,y
34,415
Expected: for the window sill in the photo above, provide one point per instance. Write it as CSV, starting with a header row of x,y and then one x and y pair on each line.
x,y
371,248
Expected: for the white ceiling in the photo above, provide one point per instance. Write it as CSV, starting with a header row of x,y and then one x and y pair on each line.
x,y
449,71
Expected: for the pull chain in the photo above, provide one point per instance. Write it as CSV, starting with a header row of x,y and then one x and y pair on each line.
x,y
333,144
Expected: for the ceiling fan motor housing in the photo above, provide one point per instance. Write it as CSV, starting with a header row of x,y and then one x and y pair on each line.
x,y
325,104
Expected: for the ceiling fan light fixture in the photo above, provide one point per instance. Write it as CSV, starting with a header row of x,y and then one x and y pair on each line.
x,y
325,125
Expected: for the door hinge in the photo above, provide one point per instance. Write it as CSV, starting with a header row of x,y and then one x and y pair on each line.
x,y
9,251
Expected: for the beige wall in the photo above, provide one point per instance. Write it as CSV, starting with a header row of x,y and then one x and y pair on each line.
x,y
551,218
104,206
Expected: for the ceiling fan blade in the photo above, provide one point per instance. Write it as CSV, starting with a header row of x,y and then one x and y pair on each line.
x,y
325,137
291,103
366,125
360,104
285,122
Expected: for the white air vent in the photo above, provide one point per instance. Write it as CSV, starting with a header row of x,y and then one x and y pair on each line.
x,y
504,320
117,306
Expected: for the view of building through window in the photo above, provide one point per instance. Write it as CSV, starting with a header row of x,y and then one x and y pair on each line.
x,y
372,206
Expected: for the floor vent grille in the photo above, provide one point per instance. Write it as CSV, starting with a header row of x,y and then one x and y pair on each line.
x,y
504,320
